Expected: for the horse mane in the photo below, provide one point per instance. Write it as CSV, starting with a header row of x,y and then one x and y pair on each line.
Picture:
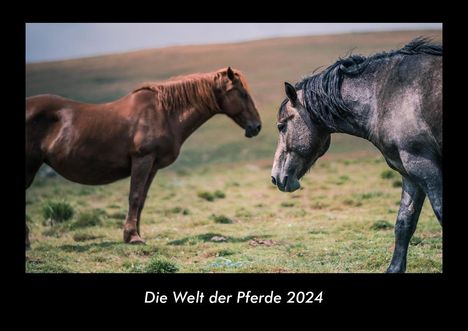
x,y
322,92
194,90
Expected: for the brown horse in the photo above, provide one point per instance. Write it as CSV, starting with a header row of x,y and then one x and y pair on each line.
x,y
134,136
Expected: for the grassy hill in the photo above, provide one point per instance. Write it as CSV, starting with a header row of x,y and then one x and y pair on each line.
x,y
266,64
215,209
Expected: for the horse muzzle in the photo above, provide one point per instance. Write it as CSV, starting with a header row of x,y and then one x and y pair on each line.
x,y
251,130
286,183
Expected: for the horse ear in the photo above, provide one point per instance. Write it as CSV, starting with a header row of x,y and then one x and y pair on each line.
x,y
230,74
290,92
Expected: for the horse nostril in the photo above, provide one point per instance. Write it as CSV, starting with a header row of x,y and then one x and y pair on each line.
x,y
273,180
285,180
259,127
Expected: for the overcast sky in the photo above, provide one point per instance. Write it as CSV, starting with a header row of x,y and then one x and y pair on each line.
x,y
58,41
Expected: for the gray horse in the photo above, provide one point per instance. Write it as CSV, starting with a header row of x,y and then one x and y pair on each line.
x,y
392,99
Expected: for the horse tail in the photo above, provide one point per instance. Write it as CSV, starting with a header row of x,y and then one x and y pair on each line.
x,y
39,117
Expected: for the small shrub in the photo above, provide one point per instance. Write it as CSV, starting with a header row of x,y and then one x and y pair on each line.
x,y
83,236
287,204
225,252
221,219
206,195
175,210
57,212
381,225
178,210
370,195
397,183
387,174
212,196
160,265
219,194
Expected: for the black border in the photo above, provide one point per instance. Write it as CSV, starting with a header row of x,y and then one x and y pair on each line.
x,y
363,292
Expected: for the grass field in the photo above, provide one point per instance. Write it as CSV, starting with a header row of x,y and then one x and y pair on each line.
x,y
341,221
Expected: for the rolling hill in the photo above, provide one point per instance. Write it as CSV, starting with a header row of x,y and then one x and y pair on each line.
x,y
266,64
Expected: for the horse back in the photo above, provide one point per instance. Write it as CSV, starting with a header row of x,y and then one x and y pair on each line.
x,y
410,104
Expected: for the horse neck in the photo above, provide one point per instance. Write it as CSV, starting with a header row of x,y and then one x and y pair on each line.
x,y
188,113
190,118
357,94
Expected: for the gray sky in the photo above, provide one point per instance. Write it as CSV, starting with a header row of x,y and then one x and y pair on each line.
x,y
58,41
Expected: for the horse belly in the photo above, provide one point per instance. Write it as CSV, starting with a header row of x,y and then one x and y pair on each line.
x,y
87,158
90,171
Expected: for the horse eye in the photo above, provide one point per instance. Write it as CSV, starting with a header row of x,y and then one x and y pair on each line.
x,y
281,126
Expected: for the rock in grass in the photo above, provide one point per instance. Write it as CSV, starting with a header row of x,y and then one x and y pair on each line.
x,y
218,238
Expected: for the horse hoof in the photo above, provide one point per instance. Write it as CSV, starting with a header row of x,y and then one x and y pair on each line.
x,y
136,241
392,270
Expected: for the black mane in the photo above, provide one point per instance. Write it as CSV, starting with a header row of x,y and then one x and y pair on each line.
x,y
322,92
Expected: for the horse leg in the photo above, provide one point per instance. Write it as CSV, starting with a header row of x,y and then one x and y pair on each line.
x,y
432,186
147,186
33,163
141,173
28,243
412,198
426,172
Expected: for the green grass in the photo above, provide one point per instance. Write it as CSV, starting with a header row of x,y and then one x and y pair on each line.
x,y
57,212
328,226
381,225
88,218
211,196
388,174
160,265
